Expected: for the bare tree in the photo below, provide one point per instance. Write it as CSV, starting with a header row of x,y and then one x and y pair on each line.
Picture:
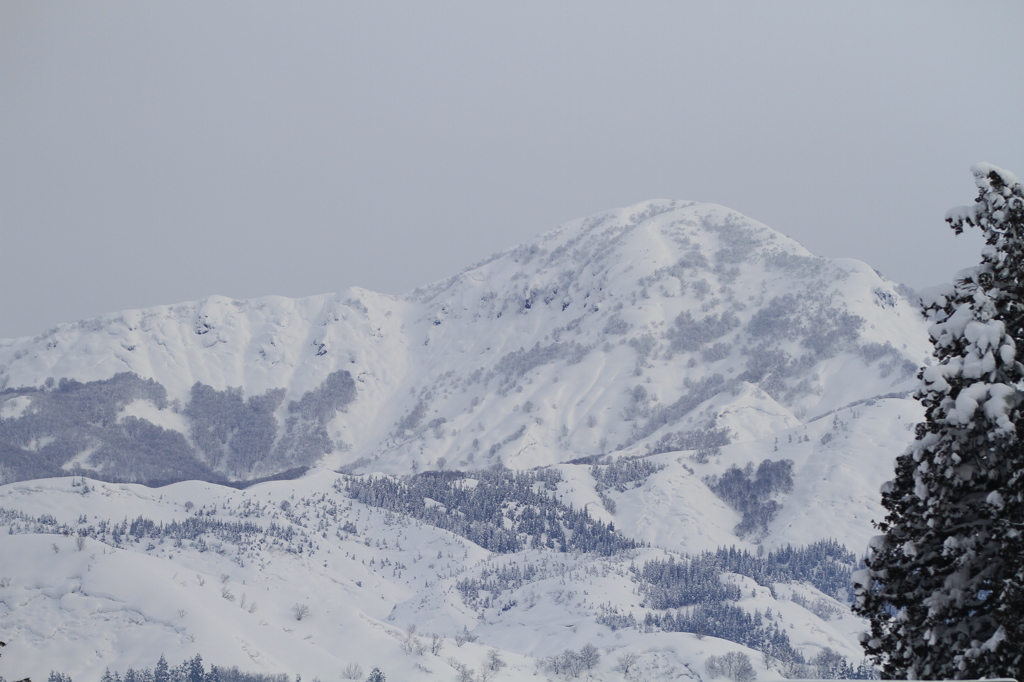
x,y
465,673
494,661
464,636
734,665
589,656
571,663
625,662
353,671
411,644
300,611
436,643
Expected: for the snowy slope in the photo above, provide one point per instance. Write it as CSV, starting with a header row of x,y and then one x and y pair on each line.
x,y
122,601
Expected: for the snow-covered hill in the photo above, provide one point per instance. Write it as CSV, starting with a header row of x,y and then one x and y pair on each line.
x,y
658,431
97,575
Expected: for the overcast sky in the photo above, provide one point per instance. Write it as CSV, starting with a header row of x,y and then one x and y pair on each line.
x,y
152,153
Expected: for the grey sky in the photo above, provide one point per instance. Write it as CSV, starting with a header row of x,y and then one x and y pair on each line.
x,y
158,152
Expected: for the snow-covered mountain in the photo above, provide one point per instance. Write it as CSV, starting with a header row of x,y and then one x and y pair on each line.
x,y
615,333
587,414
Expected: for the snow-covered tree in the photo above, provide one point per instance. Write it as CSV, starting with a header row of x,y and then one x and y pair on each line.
x,y
162,672
944,584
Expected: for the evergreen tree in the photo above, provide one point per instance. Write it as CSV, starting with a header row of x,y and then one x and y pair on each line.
x,y
195,670
162,672
944,584
376,676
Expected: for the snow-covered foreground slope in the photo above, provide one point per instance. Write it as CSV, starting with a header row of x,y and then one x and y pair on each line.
x,y
224,582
